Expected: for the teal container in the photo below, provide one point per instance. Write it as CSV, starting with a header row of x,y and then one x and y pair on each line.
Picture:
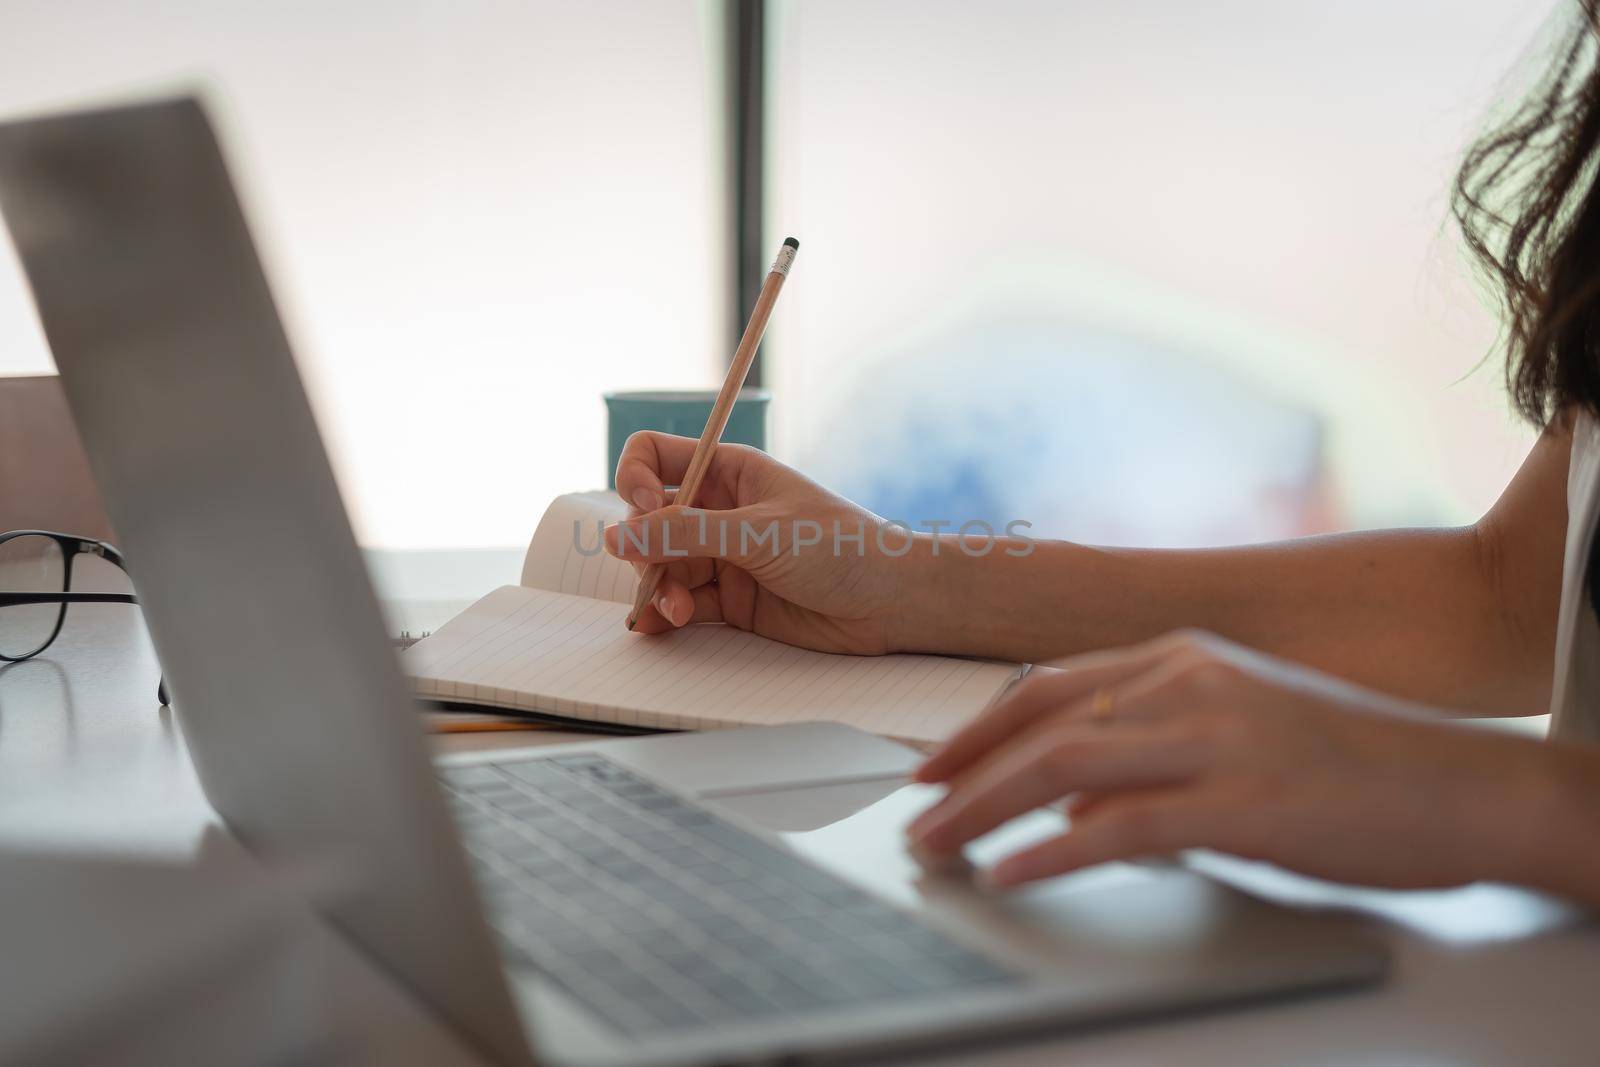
x,y
683,413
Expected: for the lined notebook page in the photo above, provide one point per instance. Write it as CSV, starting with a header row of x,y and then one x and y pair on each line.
x,y
565,555
541,651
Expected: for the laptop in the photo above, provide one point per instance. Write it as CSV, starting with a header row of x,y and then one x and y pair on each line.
x,y
734,897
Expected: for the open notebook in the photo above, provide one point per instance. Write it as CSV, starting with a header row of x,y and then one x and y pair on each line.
x,y
556,645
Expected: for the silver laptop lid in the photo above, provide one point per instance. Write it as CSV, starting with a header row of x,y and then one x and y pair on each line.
x,y
193,415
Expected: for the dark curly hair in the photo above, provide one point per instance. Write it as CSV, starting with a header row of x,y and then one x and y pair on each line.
x,y
1525,200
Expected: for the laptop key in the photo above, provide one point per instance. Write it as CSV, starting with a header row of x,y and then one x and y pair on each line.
x,y
469,777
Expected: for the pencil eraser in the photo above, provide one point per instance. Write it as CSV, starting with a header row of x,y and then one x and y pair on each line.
x,y
792,243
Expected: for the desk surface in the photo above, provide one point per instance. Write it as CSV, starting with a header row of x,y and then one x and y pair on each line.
x,y
1482,976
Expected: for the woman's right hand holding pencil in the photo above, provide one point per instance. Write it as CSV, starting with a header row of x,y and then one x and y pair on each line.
x,y
767,550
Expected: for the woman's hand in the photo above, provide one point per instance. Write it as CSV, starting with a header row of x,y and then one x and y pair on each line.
x,y
1189,741
766,549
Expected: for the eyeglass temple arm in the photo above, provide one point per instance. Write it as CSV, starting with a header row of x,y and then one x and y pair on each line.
x,y
105,550
109,552
16,599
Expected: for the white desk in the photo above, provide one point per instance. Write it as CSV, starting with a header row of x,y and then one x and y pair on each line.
x,y
1493,976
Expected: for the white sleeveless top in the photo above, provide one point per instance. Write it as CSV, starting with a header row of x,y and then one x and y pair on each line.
x,y
1575,699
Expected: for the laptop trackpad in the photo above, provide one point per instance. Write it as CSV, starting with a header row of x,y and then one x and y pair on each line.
x,y
803,762
1123,925
867,845
799,809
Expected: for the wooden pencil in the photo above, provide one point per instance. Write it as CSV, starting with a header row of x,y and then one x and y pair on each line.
x,y
743,356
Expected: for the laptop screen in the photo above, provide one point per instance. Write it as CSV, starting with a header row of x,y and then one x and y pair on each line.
x,y
200,435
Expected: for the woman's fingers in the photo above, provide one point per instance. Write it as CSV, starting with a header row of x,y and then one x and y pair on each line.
x,y
1080,805
677,604
677,534
651,461
1164,821
1129,676
691,573
1044,690
634,510
1149,739
1047,765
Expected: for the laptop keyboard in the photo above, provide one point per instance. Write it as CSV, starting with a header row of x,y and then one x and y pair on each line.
x,y
657,915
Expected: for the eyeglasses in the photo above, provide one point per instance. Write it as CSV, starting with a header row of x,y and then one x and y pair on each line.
x,y
35,589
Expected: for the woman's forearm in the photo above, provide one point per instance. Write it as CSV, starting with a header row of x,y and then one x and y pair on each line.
x,y
1412,612
1556,846
1462,618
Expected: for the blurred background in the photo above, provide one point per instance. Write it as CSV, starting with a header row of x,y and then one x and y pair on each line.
x,y
1158,273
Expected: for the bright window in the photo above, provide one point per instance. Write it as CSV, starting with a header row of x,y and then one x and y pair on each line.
x,y
1162,272
477,218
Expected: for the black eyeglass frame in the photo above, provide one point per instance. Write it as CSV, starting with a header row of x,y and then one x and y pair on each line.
x,y
71,547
